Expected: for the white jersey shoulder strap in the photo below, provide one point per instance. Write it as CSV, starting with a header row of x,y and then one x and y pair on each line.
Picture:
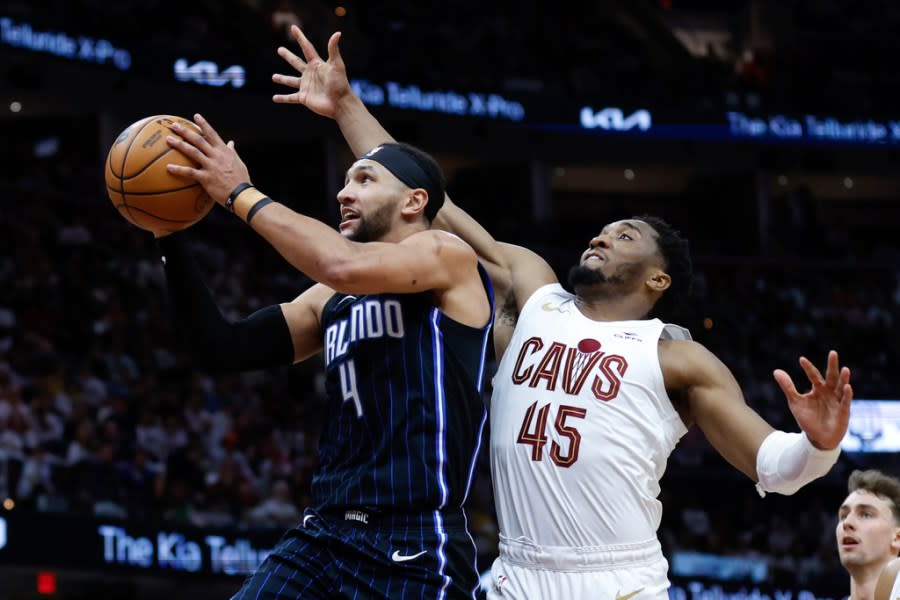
x,y
551,292
675,332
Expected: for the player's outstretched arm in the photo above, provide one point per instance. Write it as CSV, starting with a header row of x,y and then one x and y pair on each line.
x,y
780,462
428,260
272,336
823,413
323,87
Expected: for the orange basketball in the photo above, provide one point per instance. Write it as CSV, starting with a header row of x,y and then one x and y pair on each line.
x,y
141,188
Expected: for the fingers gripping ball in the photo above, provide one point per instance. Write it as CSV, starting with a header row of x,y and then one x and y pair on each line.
x,y
141,188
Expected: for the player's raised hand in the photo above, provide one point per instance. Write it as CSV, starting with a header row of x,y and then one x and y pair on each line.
x,y
220,168
824,411
321,84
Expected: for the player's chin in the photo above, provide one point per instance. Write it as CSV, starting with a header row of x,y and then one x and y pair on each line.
x,y
356,234
347,228
583,275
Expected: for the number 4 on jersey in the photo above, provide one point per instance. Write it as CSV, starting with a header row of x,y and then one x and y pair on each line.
x,y
535,436
347,372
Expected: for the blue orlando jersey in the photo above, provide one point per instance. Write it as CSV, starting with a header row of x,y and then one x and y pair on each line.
x,y
405,412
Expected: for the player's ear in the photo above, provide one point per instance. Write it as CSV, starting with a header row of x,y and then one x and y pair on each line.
x,y
659,281
895,542
414,202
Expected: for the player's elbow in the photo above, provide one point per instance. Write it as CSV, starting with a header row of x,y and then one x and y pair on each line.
x,y
346,275
338,276
260,340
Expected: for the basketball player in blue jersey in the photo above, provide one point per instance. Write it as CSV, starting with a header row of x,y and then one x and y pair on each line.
x,y
401,313
591,395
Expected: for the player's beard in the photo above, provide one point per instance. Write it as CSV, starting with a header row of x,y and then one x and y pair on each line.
x,y
581,276
373,227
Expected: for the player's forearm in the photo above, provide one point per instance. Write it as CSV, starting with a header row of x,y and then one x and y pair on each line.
x,y
786,462
454,219
260,340
360,128
307,244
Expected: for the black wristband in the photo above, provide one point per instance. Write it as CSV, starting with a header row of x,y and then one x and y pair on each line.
x,y
256,207
229,204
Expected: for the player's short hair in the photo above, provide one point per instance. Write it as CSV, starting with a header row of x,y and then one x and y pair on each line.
x,y
876,482
677,257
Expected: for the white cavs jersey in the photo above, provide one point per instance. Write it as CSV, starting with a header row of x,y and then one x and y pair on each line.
x,y
581,428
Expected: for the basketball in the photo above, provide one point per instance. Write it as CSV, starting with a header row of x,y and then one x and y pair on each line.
x,y
141,188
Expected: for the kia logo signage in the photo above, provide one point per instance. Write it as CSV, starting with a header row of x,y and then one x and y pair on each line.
x,y
613,119
206,72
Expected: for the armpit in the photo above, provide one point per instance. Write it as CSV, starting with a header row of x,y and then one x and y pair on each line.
x,y
507,311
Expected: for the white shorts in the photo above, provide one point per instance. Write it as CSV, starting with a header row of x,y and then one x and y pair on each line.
x,y
627,572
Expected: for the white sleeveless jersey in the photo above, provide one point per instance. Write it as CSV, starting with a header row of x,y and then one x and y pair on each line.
x,y
895,591
581,427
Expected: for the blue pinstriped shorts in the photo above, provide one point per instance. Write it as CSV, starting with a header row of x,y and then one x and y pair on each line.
x,y
356,554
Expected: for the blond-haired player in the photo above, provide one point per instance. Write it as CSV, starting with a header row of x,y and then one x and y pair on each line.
x,y
868,534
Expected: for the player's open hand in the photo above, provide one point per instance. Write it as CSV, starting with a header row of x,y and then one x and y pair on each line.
x,y
824,411
220,168
321,84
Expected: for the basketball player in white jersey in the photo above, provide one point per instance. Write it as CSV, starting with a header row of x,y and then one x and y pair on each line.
x,y
868,533
591,395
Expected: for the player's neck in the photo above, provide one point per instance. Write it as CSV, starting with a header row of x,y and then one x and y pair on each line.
x,y
863,581
611,308
400,232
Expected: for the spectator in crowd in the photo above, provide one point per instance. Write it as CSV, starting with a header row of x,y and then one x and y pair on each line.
x,y
37,476
277,510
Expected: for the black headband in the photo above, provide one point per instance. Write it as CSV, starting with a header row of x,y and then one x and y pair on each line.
x,y
408,170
